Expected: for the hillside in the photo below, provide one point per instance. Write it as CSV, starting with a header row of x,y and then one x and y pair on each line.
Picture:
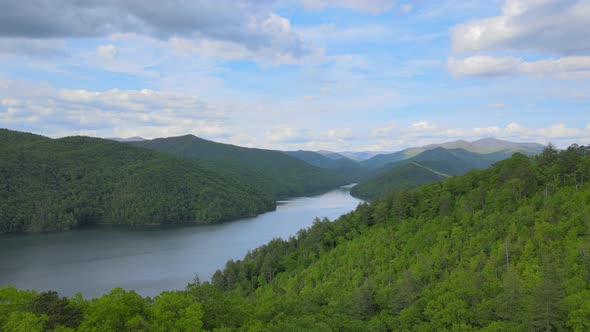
x,y
346,168
429,166
59,183
407,176
273,172
503,249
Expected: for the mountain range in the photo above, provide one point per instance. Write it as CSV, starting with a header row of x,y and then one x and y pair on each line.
x,y
72,181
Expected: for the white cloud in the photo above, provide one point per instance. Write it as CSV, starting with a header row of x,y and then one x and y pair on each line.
x,y
486,131
496,105
251,24
571,67
109,113
423,125
515,128
284,134
366,6
482,65
107,52
554,26
341,133
560,131
588,127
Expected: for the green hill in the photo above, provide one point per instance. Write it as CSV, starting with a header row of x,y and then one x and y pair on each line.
x,y
274,172
429,166
502,249
59,183
407,176
344,167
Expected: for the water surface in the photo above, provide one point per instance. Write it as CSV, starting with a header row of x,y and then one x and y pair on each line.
x,y
151,259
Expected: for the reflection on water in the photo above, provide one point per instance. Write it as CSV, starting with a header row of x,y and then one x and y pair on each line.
x,y
151,259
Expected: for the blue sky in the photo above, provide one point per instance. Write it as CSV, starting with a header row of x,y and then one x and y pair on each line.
x,y
299,74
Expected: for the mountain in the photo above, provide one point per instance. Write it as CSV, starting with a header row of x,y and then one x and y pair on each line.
x,y
429,166
407,176
49,184
273,172
331,155
502,249
322,161
360,155
344,168
129,139
488,145
482,146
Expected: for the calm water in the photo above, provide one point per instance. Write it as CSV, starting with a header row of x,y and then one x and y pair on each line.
x,y
152,259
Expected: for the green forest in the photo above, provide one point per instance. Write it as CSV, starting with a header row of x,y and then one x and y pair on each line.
x,y
273,172
501,249
53,184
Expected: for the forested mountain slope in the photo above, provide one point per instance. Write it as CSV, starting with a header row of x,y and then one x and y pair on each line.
x,y
428,166
344,167
503,249
58,183
406,176
274,172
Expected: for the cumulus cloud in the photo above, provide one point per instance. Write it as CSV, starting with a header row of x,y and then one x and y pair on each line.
x,y
285,134
553,26
250,23
570,67
374,7
110,112
423,125
483,65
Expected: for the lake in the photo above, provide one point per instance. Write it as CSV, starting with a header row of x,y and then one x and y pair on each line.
x,y
151,259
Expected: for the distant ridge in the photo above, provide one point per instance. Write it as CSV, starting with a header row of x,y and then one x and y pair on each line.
x,y
274,172
128,139
485,145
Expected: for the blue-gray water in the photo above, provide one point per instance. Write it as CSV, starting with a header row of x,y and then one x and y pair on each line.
x,y
151,259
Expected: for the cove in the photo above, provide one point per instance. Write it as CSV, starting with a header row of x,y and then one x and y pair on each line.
x,y
152,259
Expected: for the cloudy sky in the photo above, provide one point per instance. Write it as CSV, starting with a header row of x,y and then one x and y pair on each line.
x,y
338,75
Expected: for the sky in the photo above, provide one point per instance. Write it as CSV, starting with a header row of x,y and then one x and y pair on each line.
x,y
339,75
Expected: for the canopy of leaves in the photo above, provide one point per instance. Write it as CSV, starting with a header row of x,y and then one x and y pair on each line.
x,y
503,249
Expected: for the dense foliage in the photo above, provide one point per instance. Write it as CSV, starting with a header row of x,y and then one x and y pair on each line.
x,y
504,249
273,172
406,176
55,184
426,167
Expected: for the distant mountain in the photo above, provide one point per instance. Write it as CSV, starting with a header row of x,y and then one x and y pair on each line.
x,y
482,146
345,168
361,155
431,165
407,176
488,145
125,140
331,155
274,172
323,161
51,184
